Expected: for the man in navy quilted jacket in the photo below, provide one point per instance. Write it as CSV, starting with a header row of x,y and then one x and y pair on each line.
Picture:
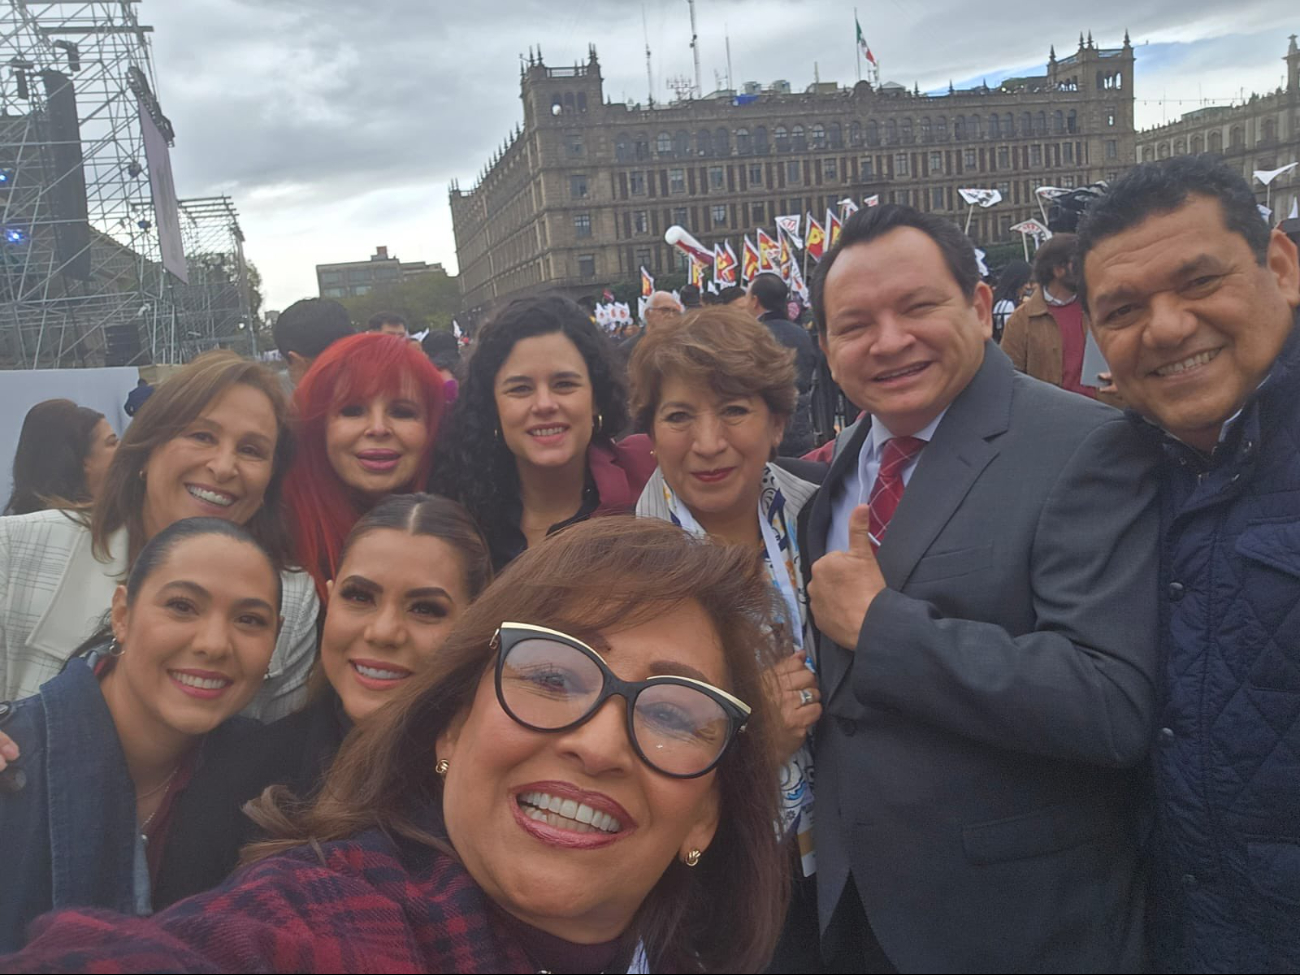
x,y
1192,299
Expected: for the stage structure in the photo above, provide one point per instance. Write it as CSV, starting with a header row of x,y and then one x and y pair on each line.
x,y
82,246
213,310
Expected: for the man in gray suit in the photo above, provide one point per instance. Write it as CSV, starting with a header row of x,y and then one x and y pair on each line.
x,y
983,561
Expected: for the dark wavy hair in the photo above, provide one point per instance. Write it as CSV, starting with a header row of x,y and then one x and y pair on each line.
x,y
49,464
472,464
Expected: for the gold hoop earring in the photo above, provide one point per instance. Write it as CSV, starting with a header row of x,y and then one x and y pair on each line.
x,y
597,422
693,857
115,649
441,767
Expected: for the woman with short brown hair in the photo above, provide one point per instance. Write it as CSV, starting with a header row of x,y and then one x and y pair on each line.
x,y
212,441
504,814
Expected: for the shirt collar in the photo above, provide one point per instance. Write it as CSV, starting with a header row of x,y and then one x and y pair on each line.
x,y
879,433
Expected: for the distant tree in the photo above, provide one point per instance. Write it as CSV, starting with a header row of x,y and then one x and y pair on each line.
x,y
428,300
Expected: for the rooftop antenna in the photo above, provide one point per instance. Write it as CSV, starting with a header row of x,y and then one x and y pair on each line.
x,y
649,75
695,51
727,32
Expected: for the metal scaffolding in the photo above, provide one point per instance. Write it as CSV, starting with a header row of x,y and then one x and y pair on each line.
x,y
77,291
213,310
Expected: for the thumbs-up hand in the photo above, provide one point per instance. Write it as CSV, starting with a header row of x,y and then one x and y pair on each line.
x,y
844,584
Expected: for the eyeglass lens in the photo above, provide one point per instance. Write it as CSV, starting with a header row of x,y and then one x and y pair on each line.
x,y
548,685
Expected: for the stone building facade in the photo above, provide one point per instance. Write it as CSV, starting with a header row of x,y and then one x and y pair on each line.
x,y
580,194
1263,133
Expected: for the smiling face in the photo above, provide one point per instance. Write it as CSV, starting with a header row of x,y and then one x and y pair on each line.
x,y
103,445
218,466
545,402
901,338
375,446
390,609
713,451
198,638
575,882
1187,318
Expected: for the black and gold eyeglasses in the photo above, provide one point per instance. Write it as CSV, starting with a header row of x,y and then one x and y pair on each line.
x,y
550,681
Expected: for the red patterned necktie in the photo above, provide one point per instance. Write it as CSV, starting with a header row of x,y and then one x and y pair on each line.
x,y
888,489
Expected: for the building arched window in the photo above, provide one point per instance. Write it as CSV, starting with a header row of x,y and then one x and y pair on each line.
x,y
905,131
891,132
1180,146
873,132
835,135
1162,151
855,133
704,142
1040,123
1198,144
1147,154
818,136
721,141
1072,122
1058,122
1026,124
798,141
941,128
760,141
664,144
681,143
1008,126
1269,132
1216,142
568,102
622,148
782,138
973,127
743,143
641,145
927,129
995,129
582,101
959,128
1237,137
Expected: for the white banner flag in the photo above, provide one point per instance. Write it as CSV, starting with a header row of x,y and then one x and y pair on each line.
x,y
790,227
847,208
1032,228
1265,212
873,200
1267,176
1051,192
981,198
1295,210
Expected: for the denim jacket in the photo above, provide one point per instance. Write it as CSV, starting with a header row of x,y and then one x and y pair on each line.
x,y
68,836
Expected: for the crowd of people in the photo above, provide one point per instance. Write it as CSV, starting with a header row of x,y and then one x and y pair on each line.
x,y
721,645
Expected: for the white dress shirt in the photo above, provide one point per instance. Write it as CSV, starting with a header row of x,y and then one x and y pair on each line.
x,y
858,481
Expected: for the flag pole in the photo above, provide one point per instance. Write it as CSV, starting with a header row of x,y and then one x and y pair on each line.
x,y
969,213
857,44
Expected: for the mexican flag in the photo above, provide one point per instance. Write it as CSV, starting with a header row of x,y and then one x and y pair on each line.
x,y
862,42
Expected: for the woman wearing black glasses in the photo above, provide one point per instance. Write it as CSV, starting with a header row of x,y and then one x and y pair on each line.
x,y
585,771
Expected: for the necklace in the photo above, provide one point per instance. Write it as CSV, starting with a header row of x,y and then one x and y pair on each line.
x,y
144,827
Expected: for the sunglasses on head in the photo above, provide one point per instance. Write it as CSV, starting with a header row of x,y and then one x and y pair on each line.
x,y
550,681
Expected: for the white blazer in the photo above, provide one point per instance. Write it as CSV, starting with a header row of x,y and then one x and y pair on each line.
x,y
54,593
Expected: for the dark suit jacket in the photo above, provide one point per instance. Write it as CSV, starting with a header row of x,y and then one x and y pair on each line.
x,y
976,764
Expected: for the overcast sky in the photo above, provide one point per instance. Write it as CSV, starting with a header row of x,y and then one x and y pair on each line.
x,y
336,126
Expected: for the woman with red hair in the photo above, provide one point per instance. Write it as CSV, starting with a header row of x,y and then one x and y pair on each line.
x,y
367,415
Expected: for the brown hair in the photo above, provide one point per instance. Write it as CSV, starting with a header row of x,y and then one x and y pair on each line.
x,y
604,574
1057,251
49,464
174,405
719,347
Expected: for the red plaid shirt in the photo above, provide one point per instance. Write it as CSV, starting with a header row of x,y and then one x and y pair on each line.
x,y
363,905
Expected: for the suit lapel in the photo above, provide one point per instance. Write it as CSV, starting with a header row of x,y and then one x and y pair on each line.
x,y
949,467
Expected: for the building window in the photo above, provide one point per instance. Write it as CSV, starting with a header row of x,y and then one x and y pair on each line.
x,y
664,144
1067,152
573,143
1072,122
578,187
756,174
819,136
936,162
1110,115
830,169
721,142
636,179
905,131
717,178
704,142
995,130
642,256
855,133
938,198
720,215
622,149
959,128
1058,122
873,133
586,265
927,130
681,143
835,135
1067,182
798,141
756,214
1112,149
760,140
1004,187
677,181
793,171
1004,157
782,138
582,225
641,221
679,216
743,143
1035,155
867,167
968,159
900,164
641,145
